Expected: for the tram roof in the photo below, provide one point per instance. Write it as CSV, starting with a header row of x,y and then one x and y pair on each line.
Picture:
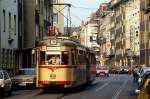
x,y
70,43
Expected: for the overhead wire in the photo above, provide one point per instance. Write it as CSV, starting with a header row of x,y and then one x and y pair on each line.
x,y
85,8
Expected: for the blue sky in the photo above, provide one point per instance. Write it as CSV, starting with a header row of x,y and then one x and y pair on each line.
x,y
81,9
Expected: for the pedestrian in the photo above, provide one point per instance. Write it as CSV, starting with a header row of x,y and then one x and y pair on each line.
x,y
135,75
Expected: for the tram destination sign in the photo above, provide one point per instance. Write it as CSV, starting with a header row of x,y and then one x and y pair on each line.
x,y
52,48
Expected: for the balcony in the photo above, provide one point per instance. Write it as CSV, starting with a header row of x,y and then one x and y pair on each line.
x,y
101,40
11,35
147,9
112,53
114,3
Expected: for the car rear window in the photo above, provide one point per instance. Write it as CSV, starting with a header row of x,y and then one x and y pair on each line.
x,y
26,72
1,75
102,68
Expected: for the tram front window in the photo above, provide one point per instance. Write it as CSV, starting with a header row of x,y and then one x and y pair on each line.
x,y
65,58
53,59
57,59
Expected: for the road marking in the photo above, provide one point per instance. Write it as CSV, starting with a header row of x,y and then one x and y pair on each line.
x,y
119,90
100,88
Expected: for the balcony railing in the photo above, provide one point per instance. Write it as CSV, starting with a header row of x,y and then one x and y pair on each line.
x,y
11,35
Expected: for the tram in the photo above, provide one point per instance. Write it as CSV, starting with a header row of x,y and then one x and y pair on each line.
x,y
64,62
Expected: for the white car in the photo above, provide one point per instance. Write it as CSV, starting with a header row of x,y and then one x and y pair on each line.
x,y
5,83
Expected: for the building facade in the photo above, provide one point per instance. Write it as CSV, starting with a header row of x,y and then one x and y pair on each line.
x,y
132,32
144,32
129,32
58,15
9,34
37,18
88,34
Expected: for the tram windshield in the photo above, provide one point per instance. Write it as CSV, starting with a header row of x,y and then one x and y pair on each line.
x,y
55,58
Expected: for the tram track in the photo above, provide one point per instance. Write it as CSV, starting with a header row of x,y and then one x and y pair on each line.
x,y
113,87
120,89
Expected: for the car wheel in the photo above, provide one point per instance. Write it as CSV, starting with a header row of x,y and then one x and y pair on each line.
x,y
96,75
45,90
107,75
2,93
9,93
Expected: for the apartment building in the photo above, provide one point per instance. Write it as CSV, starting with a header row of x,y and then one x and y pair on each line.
x,y
106,30
129,34
132,31
9,34
88,34
144,32
36,22
116,6
58,15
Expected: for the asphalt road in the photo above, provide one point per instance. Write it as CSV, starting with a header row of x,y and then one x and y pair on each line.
x,y
112,87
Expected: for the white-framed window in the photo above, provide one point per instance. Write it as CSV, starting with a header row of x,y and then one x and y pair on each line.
x,y
55,18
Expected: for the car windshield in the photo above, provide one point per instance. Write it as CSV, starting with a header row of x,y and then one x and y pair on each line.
x,y
102,68
1,75
26,72
146,69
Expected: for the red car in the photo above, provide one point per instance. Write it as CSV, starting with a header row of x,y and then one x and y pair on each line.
x,y
102,70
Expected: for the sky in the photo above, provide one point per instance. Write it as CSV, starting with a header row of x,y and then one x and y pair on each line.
x,y
81,9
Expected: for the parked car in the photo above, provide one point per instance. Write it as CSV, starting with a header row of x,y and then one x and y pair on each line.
x,y
102,70
5,83
25,77
143,70
145,89
142,81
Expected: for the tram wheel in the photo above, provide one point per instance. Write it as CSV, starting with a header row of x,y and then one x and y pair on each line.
x,y
45,90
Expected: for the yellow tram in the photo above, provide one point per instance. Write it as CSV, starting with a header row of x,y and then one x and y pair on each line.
x,y
64,62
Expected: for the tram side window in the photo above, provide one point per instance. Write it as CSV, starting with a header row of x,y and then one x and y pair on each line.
x,y
73,57
81,57
93,59
42,57
65,58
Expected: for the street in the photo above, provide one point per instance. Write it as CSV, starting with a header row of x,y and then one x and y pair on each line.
x,y
112,87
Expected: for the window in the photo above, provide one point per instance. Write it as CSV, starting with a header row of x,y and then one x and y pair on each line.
x,y
65,57
6,75
53,59
26,72
55,18
54,1
1,75
36,2
3,59
15,24
73,57
42,57
9,21
4,20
